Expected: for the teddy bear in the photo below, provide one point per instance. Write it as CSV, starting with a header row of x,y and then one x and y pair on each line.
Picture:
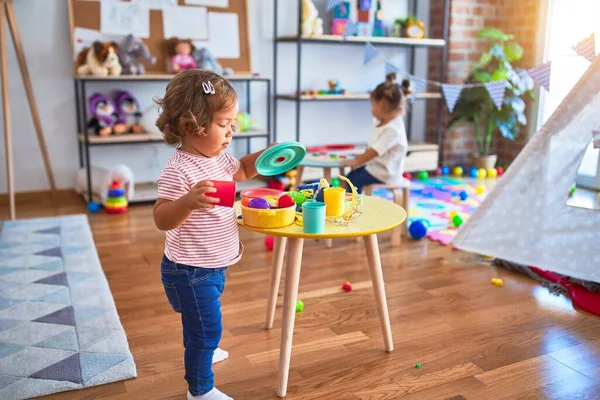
x,y
101,59
312,25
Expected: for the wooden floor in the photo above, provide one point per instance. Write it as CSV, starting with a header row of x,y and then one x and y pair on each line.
x,y
472,340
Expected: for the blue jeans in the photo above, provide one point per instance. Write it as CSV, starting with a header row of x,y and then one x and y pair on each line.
x,y
194,293
360,177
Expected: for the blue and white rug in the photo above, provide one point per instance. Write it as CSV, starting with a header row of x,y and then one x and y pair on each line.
x,y
59,327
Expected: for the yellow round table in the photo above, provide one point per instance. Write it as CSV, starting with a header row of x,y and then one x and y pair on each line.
x,y
378,216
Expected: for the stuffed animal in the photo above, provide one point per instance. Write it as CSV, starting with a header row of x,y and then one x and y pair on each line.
x,y
128,110
104,116
205,60
311,24
130,49
102,59
180,53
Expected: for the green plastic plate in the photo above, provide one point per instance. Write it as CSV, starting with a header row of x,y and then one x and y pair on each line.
x,y
280,158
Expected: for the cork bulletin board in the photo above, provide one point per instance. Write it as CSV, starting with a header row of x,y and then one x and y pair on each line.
x,y
86,14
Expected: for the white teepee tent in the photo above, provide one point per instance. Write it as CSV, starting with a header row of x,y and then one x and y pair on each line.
x,y
526,219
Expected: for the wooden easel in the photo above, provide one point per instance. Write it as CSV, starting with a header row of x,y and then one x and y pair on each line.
x,y
7,13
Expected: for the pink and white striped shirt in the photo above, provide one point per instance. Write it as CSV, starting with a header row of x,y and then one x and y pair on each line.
x,y
209,238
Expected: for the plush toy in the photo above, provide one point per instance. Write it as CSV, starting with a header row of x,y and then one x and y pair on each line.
x,y
130,49
128,110
102,59
180,53
312,25
205,60
104,116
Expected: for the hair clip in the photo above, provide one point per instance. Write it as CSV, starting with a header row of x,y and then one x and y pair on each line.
x,y
208,87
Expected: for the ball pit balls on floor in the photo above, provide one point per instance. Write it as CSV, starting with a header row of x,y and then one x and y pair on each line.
x,y
407,175
269,242
418,229
492,173
422,175
457,171
457,220
480,189
481,174
463,195
445,170
473,172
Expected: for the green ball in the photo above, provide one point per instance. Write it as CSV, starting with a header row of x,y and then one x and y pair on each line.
x,y
423,175
417,366
335,182
299,306
457,220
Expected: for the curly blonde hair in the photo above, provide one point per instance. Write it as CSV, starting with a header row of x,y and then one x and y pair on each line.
x,y
187,109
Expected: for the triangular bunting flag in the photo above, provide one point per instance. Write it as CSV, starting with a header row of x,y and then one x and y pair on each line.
x,y
350,30
370,53
451,93
496,91
541,74
331,4
419,84
389,68
586,48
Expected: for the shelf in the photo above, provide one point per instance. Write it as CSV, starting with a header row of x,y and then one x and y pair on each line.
x,y
134,138
348,97
392,41
162,77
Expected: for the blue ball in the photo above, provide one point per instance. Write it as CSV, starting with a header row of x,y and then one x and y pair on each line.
x,y
473,172
418,229
445,170
93,207
463,195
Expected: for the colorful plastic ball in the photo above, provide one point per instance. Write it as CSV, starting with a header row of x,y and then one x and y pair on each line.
x,y
93,207
445,170
453,214
335,182
407,175
439,172
481,174
285,201
463,195
259,203
246,201
473,172
492,173
299,198
299,306
497,282
422,175
500,171
457,171
417,366
480,189
418,229
269,242
347,287
457,221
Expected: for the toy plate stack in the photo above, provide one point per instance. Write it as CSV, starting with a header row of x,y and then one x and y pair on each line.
x,y
116,202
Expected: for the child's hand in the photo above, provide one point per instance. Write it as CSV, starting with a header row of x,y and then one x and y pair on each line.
x,y
197,198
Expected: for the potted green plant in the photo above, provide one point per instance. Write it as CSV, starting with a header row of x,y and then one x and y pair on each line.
x,y
475,104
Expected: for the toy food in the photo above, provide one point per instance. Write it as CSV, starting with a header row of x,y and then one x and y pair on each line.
x,y
259,203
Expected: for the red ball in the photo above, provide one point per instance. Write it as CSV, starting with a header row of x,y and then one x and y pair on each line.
x,y
269,242
407,175
286,201
347,286
500,170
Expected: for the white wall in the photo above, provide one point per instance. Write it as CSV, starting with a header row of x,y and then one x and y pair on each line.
x,y
45,34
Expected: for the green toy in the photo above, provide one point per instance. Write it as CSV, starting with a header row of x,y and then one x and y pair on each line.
x,y
457,220
423,175
299,198
417,366
335,182
299,306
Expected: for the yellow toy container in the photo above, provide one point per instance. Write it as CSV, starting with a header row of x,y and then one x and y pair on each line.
x,y
270,218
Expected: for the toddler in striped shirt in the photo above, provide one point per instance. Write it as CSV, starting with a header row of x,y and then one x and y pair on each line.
x,y
198,116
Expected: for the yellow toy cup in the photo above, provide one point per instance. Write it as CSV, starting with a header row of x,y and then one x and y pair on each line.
x,y
334,199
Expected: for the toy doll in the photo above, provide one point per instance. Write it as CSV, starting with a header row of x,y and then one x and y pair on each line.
x,y
180,52
103,113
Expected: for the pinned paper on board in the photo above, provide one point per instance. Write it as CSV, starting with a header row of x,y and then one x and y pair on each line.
x,y
156,4
224,34
84,37
209,3
185,22
117,18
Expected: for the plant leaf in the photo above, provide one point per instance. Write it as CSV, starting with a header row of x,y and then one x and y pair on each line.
x,y
494,34
482,76
483,60
499,75
513,51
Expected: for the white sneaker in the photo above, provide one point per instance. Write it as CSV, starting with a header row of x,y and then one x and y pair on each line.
x,y
214,394
219,355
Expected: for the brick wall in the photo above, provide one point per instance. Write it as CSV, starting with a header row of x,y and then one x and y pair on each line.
x,y
466,18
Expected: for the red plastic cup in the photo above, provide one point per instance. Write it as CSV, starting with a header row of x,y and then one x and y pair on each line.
x,y
225,193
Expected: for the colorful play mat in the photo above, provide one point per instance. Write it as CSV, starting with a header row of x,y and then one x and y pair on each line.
x,y
437,199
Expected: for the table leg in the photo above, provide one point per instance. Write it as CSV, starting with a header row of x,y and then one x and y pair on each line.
x,y
376,273
276,265
290,295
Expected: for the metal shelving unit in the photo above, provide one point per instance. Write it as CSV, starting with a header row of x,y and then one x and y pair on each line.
x,y
86,140
407,43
